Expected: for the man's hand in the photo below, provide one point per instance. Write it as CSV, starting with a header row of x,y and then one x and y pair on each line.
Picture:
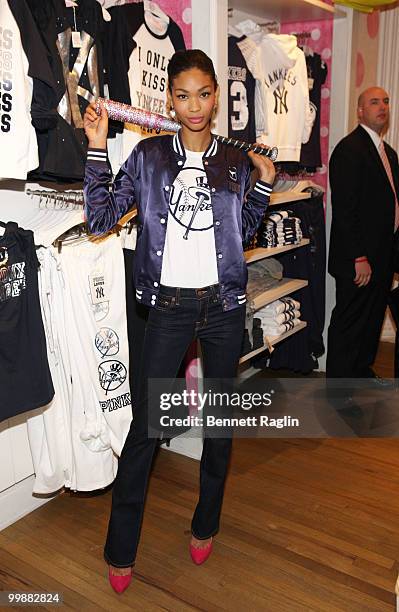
x,y
363,272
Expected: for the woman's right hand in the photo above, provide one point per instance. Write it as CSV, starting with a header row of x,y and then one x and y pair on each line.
x,y
96,127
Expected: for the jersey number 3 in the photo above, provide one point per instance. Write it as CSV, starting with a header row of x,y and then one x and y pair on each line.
x,y
239,118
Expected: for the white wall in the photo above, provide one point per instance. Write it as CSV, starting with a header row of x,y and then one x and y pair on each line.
x,y
339,122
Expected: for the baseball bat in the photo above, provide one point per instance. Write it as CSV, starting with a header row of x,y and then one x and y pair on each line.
x,y
129,114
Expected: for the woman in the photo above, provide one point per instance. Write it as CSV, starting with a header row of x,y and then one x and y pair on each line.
x,y
195,209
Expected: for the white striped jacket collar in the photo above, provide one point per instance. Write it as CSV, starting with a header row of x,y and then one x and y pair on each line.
x,y
178,146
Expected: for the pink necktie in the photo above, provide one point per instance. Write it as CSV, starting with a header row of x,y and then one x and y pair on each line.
x,y
388,170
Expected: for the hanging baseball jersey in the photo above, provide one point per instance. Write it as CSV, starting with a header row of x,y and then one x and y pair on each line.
x,y
241,94
317,74
139,46
25,381
72,39
18,143
279,65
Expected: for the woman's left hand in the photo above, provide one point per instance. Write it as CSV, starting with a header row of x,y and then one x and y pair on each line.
x,y
263,164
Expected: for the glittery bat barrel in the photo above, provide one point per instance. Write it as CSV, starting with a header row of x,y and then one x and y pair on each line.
x,y
129,114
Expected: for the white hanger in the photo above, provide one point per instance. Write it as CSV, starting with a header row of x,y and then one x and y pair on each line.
x,y
156,11
234,31
156,20
248,27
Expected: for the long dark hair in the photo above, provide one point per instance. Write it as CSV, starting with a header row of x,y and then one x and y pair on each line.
x,y
191,58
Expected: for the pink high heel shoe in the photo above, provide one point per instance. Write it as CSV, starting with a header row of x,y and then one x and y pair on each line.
x,y
200,555
119,583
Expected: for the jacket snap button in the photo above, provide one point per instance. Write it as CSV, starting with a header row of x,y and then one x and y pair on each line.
x,y
155,284
166,187
220,256
159,253
163,221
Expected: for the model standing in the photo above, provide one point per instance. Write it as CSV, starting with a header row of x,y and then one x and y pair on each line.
x,y
195,209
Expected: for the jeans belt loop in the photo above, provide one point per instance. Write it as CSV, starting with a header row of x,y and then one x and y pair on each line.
x,y
215,294
177,296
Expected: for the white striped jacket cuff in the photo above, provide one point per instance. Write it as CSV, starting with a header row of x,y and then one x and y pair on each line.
x,y
97,155
263,188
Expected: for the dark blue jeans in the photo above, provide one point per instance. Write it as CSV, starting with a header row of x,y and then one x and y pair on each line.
x,y
179,316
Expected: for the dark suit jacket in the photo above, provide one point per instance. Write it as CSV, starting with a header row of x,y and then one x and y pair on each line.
x,y
363,205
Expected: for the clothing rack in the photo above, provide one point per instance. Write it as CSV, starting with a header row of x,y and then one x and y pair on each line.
x,y
81,230
58,200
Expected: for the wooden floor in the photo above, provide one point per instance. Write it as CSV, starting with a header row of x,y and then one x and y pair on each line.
x,y
308,525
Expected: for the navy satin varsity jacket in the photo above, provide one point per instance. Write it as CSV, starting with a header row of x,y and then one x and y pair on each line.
x,y
146,179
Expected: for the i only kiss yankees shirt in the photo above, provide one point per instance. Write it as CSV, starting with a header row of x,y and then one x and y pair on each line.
x,y
139,47
189,258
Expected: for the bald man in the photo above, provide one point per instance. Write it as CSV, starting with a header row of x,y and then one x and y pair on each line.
x,y
364,179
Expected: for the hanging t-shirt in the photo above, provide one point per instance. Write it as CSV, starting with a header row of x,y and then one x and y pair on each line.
x,y
241,94
189,258
317,74
18,143
139,46
25,380
279,65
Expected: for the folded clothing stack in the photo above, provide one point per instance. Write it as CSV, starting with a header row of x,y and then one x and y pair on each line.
x,y
279,316
271,320
280,229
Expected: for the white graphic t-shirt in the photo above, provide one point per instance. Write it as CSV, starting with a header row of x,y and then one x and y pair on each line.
x,y
189,258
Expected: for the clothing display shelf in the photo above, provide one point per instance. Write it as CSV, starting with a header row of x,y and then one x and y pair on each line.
x,y
282,197
282,11
288,11
287,285
260,253
284,287
272,340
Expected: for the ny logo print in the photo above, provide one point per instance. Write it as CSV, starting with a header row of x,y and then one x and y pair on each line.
x,y
280,100
68,107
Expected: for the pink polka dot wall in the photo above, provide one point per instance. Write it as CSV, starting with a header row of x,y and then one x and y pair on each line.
x,y
180,12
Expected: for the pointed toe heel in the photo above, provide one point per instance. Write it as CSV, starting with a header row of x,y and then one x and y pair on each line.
x,y
119,583
200,555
